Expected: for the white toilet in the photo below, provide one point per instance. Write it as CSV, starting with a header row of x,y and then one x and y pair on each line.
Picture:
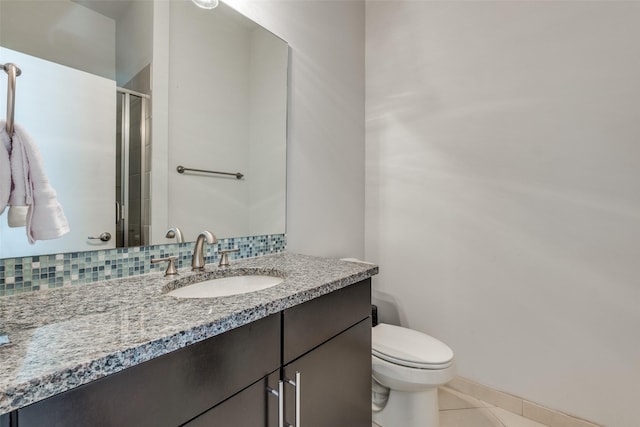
x,y
408,366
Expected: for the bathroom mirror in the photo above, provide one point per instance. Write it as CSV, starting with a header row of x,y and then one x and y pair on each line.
x,y
117,94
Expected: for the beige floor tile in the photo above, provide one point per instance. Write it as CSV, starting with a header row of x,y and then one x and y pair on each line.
x,y
460,410
509,419
452,399
475,417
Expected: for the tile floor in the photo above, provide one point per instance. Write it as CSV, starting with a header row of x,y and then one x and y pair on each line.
x,y
460,410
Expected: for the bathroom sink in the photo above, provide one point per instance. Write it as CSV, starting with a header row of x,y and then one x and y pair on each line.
x,y
226,286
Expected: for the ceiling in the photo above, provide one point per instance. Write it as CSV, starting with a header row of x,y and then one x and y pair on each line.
x,y
110,8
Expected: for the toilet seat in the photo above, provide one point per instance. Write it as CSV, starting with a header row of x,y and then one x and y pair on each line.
x,y
406,347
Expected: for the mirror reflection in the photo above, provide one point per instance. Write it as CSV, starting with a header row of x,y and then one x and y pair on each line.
x,y
118,94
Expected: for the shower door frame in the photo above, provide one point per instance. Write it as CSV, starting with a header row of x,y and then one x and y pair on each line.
x,y
122,208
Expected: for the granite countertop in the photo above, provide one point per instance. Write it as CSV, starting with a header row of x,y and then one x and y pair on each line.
x,y
67,337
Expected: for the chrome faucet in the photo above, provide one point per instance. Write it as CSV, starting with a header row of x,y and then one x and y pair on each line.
x,y
175,232
197,262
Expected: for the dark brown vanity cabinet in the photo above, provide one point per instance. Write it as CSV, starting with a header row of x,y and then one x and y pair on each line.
x,y
326,369
334,382
317,353
327,342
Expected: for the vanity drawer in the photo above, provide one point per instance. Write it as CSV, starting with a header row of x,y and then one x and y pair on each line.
x,y
171,389
310,324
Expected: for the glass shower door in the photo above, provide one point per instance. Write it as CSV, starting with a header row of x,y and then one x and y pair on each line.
x,y
132,198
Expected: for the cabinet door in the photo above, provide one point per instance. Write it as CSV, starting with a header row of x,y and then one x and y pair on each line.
x,y
7,420
335,381
254,406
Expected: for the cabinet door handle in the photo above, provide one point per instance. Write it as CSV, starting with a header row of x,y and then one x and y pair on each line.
x,y
296,384
280,394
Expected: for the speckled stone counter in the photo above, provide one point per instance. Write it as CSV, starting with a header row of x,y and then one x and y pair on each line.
x,y
67,337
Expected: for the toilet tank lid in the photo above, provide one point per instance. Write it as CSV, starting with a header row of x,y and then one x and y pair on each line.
x,y
403,344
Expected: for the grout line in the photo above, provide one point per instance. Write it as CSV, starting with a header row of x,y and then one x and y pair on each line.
x,y
495,417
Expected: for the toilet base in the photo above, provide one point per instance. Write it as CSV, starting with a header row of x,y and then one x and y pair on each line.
x,y
410,409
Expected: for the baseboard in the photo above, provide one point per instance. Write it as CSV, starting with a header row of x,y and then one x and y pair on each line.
x,y
518,405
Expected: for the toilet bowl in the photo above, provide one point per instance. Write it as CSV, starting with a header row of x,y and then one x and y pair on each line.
x,y
407,368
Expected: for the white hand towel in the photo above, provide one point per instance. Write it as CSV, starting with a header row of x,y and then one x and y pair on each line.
x,y
21,192
17,216
5,168
45,218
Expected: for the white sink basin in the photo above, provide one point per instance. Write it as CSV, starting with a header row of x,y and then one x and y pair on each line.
x,y
226,286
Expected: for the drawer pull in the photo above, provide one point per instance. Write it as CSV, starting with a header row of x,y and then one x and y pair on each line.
x,y
280,394
296,384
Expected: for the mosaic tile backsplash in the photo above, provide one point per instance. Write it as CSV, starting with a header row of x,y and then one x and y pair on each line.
x,y
34,273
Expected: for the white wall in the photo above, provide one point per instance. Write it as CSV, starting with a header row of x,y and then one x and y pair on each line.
x,y
503,191
134,40
325,153
62,32
208,121
268,62
159,183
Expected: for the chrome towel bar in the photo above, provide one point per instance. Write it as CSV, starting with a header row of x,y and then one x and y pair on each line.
x,y
182,169
12,71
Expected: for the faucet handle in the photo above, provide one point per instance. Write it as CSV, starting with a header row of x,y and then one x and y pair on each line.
x,y
171,267
224,256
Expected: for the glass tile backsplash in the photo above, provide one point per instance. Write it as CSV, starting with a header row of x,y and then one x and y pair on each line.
x,y
34,273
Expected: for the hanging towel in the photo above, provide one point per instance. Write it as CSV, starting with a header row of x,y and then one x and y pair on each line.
x,y
17,216
45,219
5,170
21,192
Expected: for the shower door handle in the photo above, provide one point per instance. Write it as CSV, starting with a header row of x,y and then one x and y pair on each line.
x,y
105,237
118,212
